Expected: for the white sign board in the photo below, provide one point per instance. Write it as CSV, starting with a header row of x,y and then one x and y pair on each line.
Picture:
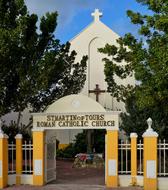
x,y
112,168
105,120
38,167
0,168
151,169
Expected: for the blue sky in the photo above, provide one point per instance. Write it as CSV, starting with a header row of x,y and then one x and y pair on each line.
x,y
75,15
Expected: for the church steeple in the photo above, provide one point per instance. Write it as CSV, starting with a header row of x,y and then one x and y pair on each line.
x,y
97,14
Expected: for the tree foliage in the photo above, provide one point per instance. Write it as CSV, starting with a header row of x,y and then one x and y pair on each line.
x,y
12,130
135,118
146,58
80,144
35,68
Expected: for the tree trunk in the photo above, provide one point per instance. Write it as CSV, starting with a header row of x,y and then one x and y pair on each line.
x,y
89,141
18,119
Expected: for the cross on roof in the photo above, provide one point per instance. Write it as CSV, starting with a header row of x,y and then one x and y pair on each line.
x,y
97,14
97,91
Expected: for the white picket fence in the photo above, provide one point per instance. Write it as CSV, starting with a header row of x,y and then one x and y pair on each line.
x,y
27,149
12,158
124,152
140,158
27,153
124,158
162,158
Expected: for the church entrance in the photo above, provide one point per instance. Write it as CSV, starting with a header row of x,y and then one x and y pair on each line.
x,y
73,165
74,112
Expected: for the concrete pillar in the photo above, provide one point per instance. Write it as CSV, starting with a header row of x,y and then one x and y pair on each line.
x,y
38,157
19,158
3,158
133,137
150,158
112,158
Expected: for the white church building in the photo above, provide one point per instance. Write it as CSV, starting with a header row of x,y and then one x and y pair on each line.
x,y
95,35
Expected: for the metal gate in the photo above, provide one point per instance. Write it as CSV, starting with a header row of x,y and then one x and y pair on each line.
x,y
50,163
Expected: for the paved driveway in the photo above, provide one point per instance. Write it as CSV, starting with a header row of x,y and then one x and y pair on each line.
x,y
69,178
67,174
70,187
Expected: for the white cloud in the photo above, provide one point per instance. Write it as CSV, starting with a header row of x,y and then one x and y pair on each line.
x,y
67,9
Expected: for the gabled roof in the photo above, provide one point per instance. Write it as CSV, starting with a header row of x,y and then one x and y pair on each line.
x,y
96,29
93,24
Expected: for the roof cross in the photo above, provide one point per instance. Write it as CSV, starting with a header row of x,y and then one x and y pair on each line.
x,y
97,14
97,91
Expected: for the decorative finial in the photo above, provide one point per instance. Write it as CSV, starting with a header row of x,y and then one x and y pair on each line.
x,y
150,132
149,122
97,14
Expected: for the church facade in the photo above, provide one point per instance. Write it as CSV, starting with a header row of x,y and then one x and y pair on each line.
x,y
96,35
93,37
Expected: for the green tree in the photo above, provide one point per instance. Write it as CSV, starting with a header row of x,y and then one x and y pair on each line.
x,y
147,59
12,130
99,140
80,144
35,69
134,119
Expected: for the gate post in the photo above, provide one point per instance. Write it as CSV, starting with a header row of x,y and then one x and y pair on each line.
x,y
112,158
150,158
133,158
38,157
19,159
3,158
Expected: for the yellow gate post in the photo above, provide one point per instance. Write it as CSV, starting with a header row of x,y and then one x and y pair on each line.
x,y
38,157
133,158
19,160
150,158
3,158
112,158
